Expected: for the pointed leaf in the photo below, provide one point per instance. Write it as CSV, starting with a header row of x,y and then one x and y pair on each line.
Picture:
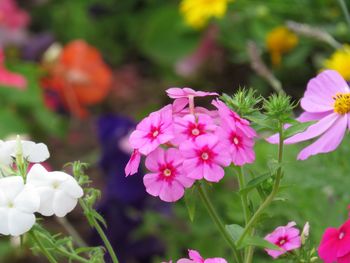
x,y
190,201
258,242
235,231
254,183
296,128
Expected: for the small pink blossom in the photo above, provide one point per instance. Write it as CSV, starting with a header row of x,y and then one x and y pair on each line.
x,y
11,16
241,146
154,130
327,101
166,179
8,78
195,257
286,237
133,164
178,93
205,157
335,244
190,127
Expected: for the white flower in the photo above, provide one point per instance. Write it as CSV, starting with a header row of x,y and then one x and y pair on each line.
x,y
18,203
33,152
58,191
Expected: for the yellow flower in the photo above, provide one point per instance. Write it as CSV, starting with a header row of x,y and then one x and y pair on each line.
x,y
340,61
198,12
280,41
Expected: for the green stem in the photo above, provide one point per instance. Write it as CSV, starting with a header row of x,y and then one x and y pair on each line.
x,y
101,233
345,11
71,231
250,252
215,217
42,247
72,256
271,196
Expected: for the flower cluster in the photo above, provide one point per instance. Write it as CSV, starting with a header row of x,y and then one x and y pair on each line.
x,y
183,143
195,257
36,191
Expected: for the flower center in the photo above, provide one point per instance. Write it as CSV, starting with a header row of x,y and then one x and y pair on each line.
x,y
205,156
167,172
341,235
55,185
10,204
155,133
195,132
341,103
235,140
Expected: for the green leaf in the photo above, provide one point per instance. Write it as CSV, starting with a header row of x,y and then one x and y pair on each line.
x,y
258,242
235,231
254,183
297,128
190,201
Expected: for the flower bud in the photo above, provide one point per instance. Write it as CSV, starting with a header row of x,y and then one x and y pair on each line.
x,y
279,107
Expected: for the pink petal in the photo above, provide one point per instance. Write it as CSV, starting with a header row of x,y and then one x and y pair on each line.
x,y
152,184
171,192
154,159
293,243
329,246
173,156
312,116
328,142
213,172
8,78
344,259
133,164
192,169
194,255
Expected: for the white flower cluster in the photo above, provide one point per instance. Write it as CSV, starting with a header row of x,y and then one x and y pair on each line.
x,y
44,192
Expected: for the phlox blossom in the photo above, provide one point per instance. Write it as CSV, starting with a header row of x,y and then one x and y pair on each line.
x,y
153,131
195,257
178,93
335,244
327,101
166,178
286,237
205,158
58,191
133,164
18,203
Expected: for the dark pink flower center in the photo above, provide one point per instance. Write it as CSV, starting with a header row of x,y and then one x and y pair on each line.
x,y
281,241
341,235
154,133
236,140
206,154
167,172
195,129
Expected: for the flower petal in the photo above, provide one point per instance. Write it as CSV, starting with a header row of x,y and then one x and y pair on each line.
x,y
20,222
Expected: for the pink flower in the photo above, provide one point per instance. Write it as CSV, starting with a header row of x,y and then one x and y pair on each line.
x,y
166,179
286,237
233,119
241,146
133,164
327,101
178,93
195,257
154,130
204,158
8,78
11,16
190,127
335,244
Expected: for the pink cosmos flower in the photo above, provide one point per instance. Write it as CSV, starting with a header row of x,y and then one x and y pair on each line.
x,y
241,146
286,237
195,257
166,179
190,127
205,157
327,101
8,78
233,119
153,131
133,164
178,93
335,244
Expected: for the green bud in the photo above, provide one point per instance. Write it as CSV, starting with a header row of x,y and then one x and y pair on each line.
x,y
244,101
314,259
279,107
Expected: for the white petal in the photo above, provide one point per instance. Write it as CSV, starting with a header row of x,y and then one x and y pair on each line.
x,y
20,222
46,201
38,176
35,152
6,150
28,200
63,203
4,226
11,186
71,187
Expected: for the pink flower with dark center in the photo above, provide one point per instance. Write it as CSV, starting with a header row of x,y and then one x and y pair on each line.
x,y
178,93
133,164
8,78
286,237
205,157
154,130
166,179
195,257
327,101
190,127
335,244
233,119
241,146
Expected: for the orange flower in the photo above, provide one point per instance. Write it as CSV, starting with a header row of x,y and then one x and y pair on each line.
x,y
79,76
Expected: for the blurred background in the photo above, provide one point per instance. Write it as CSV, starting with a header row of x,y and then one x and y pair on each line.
x,y
78,75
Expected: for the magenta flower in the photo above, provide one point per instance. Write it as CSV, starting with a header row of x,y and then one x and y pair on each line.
x,y
154,130
327,101
11,16
241,146
195,257
166,179
286,237
190,127
133,165
8,78
178,93
335,244
204,158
